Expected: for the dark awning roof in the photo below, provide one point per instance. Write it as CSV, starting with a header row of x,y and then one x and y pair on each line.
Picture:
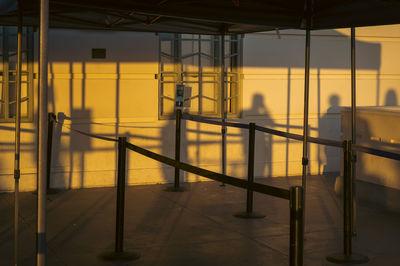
x,y
209,16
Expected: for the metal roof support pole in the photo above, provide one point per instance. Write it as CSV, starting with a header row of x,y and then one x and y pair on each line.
x,y
224,104
348,256
353,128
42,132
304,160
17,135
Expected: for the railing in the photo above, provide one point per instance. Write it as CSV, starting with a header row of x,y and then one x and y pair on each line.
x,y
294,195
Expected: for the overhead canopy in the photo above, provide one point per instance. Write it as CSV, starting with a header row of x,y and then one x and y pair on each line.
x,y
207,16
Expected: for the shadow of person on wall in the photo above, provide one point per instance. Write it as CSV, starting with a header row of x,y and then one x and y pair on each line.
x,y
328,127
391,98
57,173
259,114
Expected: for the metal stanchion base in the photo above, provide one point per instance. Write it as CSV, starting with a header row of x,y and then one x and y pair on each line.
x,y
52,191
340,258
248,215
175,189
119,256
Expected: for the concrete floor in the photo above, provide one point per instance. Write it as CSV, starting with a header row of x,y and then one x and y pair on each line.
x,y
195,227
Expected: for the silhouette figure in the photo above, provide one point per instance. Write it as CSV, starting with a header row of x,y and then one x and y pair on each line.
x,y
263,147
391,98
328,128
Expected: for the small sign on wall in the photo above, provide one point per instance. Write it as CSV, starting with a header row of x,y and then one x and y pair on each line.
x,y
99,53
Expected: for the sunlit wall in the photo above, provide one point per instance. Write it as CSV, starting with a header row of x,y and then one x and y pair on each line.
x,y
118,96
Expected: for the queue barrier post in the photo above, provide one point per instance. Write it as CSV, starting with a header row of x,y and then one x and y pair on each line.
x,y
119,253
347,256
296,226
50,126
178,132
119,235
249,214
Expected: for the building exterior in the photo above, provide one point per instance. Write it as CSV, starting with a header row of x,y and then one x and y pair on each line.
x,y
123,84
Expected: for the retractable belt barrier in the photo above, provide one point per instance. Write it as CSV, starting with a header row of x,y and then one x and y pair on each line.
x,y
208,120
257,187
83,132
347,149
212,121
294,194
376,152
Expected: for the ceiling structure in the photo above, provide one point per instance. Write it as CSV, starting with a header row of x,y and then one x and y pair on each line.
x,y
208,16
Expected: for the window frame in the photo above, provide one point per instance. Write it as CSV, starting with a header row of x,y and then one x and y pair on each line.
x,y
230,70
6,73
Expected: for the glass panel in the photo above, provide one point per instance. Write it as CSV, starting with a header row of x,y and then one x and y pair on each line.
x,y
1,97
24,90
190,64
209,99
24,76
169,90
199,53
209,106
189,47
168,106
208,64
11,110
232,88
167,64
11,87
24,109
12,47
194,106
188,36
209,90
24,66
8,59
167,36
167,47
206,47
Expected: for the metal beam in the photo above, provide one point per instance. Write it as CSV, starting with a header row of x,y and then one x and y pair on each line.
x,y
17,135
42,139
353,127
305,118
223,104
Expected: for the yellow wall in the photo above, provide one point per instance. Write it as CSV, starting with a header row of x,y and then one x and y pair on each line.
x,y
118,96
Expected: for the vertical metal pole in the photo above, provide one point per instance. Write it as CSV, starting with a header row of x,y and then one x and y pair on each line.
x,y
296,226
249,213
119,254
41,208
250,166
51,118
120,195
353,125
347,198
223,104
119,232
353,85
177,146
347,257
305,120
17,135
